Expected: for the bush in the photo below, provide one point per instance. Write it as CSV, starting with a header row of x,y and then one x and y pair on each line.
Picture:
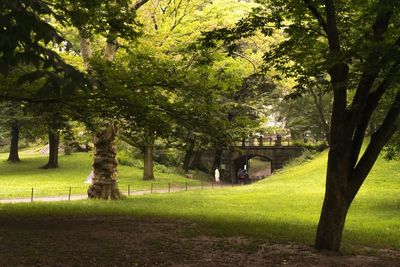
x,y
305,156
126,159
169,157
319,147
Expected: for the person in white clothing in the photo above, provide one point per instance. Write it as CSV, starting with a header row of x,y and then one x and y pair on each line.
x,y
89,179
216,175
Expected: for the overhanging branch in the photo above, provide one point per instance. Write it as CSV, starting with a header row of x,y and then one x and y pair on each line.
x,y
314,11
378,140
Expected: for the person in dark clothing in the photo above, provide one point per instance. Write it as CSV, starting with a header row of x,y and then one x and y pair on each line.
x,y
243,176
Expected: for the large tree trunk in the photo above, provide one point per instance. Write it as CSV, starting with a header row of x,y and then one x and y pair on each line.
x,y
105,164
148,162
331,223
13,156
336,201
54,139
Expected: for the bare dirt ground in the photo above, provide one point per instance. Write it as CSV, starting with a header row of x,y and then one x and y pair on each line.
x,y
126,241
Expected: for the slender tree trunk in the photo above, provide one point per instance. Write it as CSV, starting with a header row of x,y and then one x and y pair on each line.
x,y
148,171
319,107
54,139
67,149
188,157
105,164
13,156
217,159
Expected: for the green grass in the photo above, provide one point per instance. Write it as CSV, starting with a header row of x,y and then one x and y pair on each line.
x,y
17,180
283,207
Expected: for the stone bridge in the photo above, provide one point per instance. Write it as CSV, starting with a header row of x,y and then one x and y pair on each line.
x,y
233,160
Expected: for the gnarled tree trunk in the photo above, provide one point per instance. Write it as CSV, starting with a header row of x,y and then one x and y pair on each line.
x,y
104,183
105,163
13,156
54,139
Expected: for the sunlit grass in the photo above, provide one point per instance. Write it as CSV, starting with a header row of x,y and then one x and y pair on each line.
x,y
284,207
17,180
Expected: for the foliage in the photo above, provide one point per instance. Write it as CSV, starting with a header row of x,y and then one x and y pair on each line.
x,y
26,40
392,149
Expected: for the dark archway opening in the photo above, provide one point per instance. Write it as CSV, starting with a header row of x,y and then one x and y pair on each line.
x,y
258,167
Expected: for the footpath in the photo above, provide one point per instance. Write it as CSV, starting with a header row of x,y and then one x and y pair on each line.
x,y
132,193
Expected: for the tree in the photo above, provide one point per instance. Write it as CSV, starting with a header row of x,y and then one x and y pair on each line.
x,y
15,129
12,117
358,46
316,107
55,123
173,85
112,20
363,64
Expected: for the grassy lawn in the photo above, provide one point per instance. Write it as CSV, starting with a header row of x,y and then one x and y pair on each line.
x,y
284,207
17,180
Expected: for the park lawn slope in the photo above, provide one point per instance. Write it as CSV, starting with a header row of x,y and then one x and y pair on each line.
x,y
18,179
284,207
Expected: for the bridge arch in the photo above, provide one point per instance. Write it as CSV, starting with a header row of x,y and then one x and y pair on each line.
x,y
234,159
259,166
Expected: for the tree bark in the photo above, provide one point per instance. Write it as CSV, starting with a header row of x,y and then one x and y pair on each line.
x,y
67,149
105,164
13,156
331,222
336,201
148,162
54,139
188,157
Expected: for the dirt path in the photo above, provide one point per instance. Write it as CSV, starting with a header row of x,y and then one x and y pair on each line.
x,y
127,241
133,193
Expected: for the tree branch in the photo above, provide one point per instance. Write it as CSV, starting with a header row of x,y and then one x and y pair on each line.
x,y
129,141
138,4
371,104
310,5
331,27
318,105
378,140
373,65
247,59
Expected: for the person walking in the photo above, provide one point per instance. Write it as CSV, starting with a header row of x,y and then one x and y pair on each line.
x,y
216,176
